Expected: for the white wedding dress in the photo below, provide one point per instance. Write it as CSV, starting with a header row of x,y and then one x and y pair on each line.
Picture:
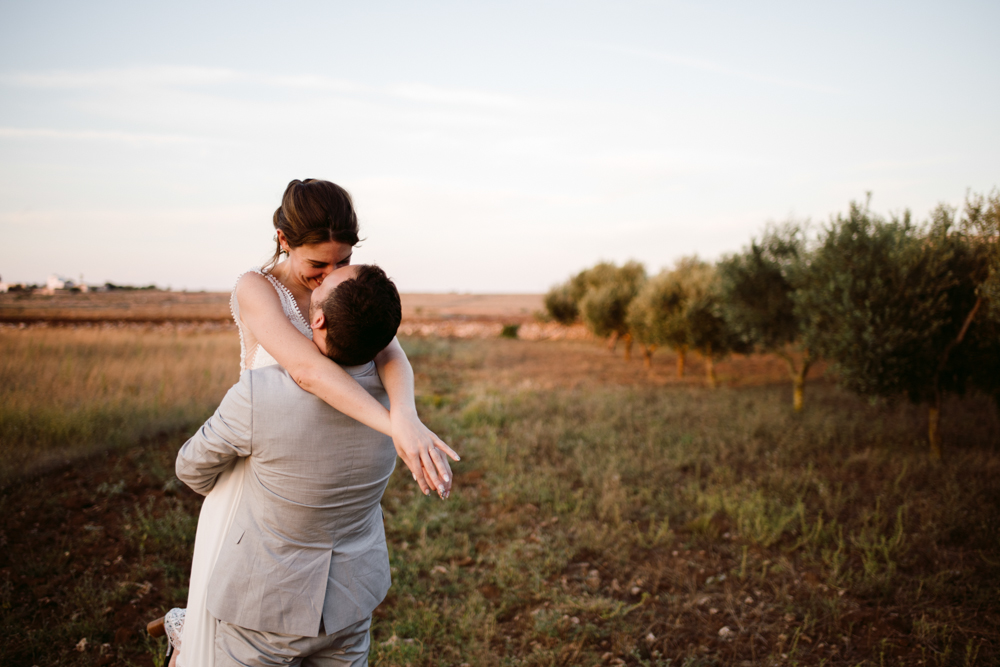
x,y
219,507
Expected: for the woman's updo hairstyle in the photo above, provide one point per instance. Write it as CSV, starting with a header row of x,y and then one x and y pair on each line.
x,y
314,211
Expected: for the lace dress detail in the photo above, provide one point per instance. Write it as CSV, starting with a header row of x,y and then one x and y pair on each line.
x,y
173,625
252,354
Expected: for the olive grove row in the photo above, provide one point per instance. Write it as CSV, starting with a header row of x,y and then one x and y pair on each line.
x,y
897,307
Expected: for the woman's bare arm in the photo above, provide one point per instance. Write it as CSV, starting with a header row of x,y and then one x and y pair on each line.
x,y
417,445
261,312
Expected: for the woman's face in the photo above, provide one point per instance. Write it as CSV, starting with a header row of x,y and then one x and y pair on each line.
x,y
310,264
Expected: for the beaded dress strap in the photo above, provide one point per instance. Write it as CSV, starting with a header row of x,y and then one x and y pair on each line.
x,y
288,305
288,302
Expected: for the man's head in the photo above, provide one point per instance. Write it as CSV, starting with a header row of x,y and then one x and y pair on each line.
x,y
354,314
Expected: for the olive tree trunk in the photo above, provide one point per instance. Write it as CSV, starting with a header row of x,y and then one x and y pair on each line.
x,y
934,411
798,391
934,427
681,355
798,372
613,341
647,355
627,340
713,382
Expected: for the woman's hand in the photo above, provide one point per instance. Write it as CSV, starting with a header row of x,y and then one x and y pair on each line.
x,y
422,452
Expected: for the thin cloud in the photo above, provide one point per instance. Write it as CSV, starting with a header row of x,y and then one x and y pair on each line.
x,y
883,165
125,77
671,161
310,82
419,92
725,70
96,135
156,77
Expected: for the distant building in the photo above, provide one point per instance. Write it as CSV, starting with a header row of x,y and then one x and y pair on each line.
x,y
56,283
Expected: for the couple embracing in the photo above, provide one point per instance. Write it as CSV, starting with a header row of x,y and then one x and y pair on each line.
x,y
290,557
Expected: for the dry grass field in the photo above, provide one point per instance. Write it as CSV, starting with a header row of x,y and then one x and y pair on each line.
x,y
603,514
165,306
67,392
121,306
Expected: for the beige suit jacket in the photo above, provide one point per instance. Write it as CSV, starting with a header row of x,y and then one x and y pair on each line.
x,y
307,542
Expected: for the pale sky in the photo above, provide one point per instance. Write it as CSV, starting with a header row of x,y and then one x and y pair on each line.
x,y
489,147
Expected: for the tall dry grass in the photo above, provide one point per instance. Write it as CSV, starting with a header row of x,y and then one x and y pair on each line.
x,y
67,392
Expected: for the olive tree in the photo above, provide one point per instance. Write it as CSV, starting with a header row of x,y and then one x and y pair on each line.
x,y
561,304
655,317
563,301
981,224
758,287
710,333
893,304
681,308
604,305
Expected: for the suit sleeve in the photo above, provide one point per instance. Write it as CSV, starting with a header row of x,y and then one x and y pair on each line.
x,y
226,436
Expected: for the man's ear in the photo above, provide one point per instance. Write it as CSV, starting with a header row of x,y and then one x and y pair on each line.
x,y
318,319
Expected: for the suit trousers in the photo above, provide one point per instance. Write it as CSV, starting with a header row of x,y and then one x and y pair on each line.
x,y
241,647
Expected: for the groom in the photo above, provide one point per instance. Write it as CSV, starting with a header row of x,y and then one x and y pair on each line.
x,y
305,562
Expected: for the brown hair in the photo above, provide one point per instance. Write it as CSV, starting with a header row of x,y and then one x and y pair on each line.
x,y
314,211
362,316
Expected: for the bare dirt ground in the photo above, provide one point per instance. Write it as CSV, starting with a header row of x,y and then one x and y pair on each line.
x,y
508,307
582,363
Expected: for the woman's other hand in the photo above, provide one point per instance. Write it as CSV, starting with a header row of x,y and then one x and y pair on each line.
x,y
421,450
425,454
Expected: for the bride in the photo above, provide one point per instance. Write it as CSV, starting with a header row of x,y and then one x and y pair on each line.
x,y
317,230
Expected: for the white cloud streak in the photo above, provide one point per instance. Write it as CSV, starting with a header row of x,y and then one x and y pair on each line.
x,y
896,165
724,70
124,77
98,135
188,77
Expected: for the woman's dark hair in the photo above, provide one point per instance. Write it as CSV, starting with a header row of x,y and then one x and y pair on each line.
x,y
314,211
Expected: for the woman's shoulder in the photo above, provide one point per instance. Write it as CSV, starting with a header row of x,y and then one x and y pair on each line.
x,y
256,287
253,276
